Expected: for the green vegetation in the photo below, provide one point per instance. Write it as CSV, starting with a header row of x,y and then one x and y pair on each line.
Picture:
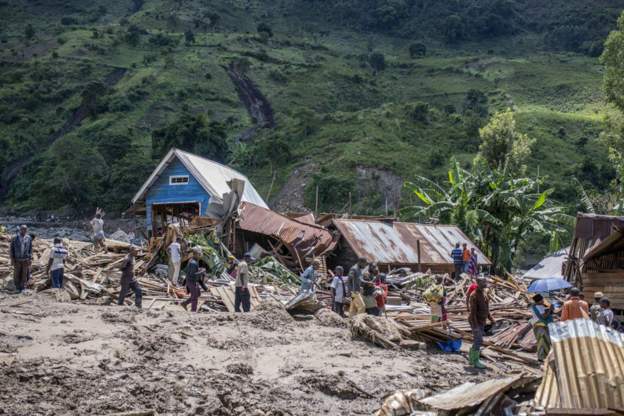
x,y
399,86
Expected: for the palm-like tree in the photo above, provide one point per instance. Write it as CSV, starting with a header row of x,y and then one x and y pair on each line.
x,y
497,210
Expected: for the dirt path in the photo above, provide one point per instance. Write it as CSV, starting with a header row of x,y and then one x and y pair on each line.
x,y
65,359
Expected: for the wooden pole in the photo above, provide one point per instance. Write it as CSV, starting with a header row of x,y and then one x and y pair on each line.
x,y
418,254
350,205
316,203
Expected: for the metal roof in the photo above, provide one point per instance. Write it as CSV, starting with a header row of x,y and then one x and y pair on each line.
x,y
550,266
305,239
588,371
396,242
213,177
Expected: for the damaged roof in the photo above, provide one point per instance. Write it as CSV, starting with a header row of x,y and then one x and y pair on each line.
x,y
396,243
212,176
297,235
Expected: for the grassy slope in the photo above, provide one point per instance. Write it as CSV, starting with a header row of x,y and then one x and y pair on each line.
x,y
358,118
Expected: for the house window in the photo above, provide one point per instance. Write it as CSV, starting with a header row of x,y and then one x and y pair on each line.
x,y
179,180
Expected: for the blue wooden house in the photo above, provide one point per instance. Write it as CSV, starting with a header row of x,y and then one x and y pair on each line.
x,y
185,185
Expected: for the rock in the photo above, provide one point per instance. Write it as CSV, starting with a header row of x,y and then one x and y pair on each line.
x,y
120,235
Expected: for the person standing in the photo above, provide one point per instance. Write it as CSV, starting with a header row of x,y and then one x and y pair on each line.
x,y
381,292
574,307
542,315
21,258
194,275
368,290
56,263
457,255
241,290
473,265
595,309
606,316
310,276
479,313
97,225
466,257
354,284
339,291
175,261
128,280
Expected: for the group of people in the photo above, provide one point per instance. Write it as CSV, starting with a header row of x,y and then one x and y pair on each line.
x,y
575,307
465,260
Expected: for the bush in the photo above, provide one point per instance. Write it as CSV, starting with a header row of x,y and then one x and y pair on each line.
x,y
419,112
162,40
454,29
417,50
265,28
333,191
189,37
278,76
29,31
68,21
377,61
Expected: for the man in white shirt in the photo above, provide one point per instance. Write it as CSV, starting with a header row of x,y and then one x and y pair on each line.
x,y
339,290
97,224
56,263
175,261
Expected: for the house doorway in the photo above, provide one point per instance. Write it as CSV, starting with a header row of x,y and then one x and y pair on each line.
x,y
165,214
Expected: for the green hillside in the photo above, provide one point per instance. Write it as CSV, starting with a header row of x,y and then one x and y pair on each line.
x,y
362,94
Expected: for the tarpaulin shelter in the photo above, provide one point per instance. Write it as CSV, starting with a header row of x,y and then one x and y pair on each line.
x,y
549,267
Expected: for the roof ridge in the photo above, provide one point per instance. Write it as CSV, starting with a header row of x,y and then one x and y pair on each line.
x,y
185,153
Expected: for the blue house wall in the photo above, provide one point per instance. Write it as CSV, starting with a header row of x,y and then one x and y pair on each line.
x,y
161,192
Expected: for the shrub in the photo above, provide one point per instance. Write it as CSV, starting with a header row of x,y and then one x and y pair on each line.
x,y
377,61
417,50
263,27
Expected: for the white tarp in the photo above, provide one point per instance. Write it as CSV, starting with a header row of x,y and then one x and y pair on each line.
x,y
551,266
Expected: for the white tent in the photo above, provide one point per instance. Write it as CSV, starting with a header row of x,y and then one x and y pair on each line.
x,y
550,266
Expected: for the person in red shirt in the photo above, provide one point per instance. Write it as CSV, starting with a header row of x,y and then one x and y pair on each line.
x,y
380,282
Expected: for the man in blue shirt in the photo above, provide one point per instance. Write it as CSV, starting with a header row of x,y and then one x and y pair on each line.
x,y
458,261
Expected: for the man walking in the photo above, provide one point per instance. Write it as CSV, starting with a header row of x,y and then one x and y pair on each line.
x,y
127,279
457,254
175,261
574,308
194,275
97,224
21,258
241,289
606,316
56,263
339,291
478,315
354,284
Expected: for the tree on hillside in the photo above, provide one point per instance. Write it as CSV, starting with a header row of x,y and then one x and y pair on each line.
x,y
189,37
265,29
192,133
417,50
29,31
377,61
502,145
454,29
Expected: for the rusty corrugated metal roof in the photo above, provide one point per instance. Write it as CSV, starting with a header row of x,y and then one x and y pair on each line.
x,y
396,242
588,367
304,238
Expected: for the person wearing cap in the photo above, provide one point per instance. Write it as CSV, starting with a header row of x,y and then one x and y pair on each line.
x,y
21,258
606,316
542,315
241,290
194,276
310,276
479,313
127,279
574,307
56,263
595,309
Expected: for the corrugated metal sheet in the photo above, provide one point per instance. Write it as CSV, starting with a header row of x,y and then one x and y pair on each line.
x,y
396,242
469,395
550,266
306,239
588,370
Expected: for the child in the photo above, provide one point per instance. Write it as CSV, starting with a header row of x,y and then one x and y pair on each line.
x,y
56,263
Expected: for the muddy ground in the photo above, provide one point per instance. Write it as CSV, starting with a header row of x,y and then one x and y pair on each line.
x,y
69,358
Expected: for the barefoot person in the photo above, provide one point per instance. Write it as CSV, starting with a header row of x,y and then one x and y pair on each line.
x,y
97,225
127,279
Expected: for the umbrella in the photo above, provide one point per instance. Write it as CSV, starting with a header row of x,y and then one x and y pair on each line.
x,y
548,285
